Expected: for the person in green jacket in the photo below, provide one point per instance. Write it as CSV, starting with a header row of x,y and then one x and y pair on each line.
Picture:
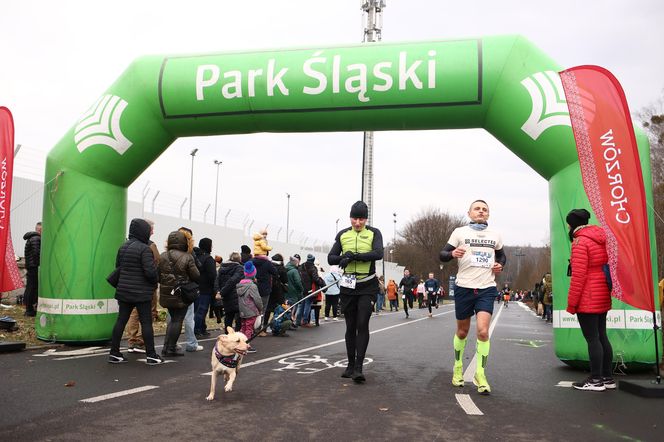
x,y
294,291
356,250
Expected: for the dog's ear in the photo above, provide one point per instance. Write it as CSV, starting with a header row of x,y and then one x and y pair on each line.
x,y
230,330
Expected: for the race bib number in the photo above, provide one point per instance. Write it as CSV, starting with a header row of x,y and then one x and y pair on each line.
x,y
348,281
481,259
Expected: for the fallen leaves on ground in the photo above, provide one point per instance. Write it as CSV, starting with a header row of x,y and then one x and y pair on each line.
x,y
25,326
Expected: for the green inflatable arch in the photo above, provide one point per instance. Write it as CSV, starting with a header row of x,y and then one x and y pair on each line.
x,y
503,84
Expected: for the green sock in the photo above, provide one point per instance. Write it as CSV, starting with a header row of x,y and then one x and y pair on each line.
x,y
459,345
482,355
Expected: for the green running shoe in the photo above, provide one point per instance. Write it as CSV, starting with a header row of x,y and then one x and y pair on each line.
x,y
482,384
457,377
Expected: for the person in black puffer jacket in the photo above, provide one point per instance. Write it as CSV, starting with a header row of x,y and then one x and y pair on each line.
x,y
32,261
277,296
208,271
230,274
265,273
138,279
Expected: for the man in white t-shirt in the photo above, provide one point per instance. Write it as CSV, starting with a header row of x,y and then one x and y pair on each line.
x,y
480,255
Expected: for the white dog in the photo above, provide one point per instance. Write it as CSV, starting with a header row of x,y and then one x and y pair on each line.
x,y
227,358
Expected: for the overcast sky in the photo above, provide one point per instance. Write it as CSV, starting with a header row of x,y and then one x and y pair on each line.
x,y
59,57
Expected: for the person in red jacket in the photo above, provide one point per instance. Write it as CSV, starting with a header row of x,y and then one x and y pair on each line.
x,y
589,297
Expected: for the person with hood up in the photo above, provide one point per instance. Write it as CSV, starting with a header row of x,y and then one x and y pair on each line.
x,y
260,243
32,260
208,272
135,342
229,275
190,339
294,288
249,300
176,266
137,281
589,297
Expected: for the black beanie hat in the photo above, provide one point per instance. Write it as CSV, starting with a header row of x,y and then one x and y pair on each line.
x,y
205,244
278,257
245,249
576,218
359,210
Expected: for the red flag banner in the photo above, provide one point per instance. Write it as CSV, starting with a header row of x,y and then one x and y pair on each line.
x,y
612,178
9,275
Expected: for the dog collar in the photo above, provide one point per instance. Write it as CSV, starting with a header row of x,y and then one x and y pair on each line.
x,y
227,361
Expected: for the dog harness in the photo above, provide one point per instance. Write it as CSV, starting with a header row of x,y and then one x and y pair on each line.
x,y
227,361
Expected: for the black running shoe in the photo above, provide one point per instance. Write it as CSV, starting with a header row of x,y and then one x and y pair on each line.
x,y
590,384
117,358
348,372
358,377
609,383
154,360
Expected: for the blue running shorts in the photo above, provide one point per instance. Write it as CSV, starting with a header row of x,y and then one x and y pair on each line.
x,y
467,302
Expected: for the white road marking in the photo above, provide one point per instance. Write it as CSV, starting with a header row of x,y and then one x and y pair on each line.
x,y
468,405
82,351
118,394
565,384
92,353
338,341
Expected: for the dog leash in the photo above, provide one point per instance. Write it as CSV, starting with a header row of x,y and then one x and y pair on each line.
x,y
265,326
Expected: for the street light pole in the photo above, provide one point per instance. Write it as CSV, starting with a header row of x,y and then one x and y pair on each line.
x,y
146,190
336,226
394,236
287,216
519,253
154,198
191,183
216,191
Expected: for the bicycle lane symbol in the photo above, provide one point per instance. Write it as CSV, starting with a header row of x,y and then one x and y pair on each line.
x,y
310,364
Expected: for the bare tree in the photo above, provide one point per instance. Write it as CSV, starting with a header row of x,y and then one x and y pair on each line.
x,y
423,238
421,241
652,118
525,266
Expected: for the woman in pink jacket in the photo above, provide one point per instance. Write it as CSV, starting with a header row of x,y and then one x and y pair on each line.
x,y
589,297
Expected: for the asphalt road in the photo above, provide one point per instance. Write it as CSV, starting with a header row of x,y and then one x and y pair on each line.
x,y
291,390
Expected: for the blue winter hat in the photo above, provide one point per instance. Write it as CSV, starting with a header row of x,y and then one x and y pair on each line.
x,y
311,258
249,269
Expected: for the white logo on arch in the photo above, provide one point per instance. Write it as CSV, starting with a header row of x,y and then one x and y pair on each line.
x,y
549,104
101,125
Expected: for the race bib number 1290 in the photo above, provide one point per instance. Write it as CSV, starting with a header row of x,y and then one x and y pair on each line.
x,y
481,259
